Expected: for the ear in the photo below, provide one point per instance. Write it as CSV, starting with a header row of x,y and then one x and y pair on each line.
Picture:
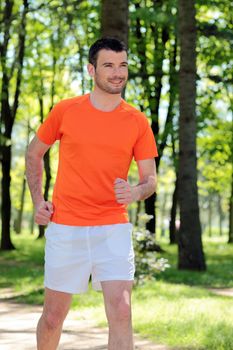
x,y
91,69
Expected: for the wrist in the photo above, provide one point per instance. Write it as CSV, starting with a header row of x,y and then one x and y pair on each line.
x,y
136,193
37,202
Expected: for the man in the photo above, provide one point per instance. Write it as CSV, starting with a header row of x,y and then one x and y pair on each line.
x,y
88,231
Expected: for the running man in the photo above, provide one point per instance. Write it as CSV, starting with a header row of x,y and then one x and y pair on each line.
x,y
88,232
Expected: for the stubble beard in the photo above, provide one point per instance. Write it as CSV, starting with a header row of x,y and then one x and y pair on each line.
x,y
107,88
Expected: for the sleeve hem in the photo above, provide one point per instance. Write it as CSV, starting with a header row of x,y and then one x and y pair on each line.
x,y
44,141
155,155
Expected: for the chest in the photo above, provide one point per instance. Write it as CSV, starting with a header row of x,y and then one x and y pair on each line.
x,y
105,132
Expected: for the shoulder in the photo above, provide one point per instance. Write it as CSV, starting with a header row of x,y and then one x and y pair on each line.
x,y
140,116
63,105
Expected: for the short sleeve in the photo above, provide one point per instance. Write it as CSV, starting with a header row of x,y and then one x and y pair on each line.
x,y
145,146
49,131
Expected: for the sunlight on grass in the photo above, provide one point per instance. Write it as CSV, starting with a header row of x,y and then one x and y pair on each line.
x,y
189,318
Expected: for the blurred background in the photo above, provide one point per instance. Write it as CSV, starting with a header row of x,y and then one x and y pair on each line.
x,y
180,76
44,47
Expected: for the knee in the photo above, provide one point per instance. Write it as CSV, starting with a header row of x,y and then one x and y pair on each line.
x,y
120,311
53,319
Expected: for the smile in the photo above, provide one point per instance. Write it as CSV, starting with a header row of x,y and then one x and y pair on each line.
x,y
116,82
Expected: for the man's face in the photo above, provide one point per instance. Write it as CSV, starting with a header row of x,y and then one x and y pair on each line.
x,y
111,72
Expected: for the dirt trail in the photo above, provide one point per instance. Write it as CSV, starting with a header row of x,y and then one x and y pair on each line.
x,y
18,324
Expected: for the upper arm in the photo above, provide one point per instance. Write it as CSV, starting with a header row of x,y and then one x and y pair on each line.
x,y
146,168
37,148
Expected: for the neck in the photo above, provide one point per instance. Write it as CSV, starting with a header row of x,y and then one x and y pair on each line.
x,y
104,101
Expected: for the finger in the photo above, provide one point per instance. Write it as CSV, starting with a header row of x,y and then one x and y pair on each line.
x,y
119,185
122,190
122,194
119,180
121,201
122,184
42,218
41,221
49,206
44,211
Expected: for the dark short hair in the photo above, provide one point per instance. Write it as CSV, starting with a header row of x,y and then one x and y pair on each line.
x,y
107,43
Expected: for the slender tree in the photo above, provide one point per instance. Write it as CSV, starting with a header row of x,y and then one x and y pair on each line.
x,y
8,109
230,240
191,254
19,218
156,36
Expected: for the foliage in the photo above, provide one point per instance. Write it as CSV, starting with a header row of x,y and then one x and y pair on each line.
x,y
147,265
60,32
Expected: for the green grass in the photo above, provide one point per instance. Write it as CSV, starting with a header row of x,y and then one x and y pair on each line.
x,y
219,260
183,316
176,309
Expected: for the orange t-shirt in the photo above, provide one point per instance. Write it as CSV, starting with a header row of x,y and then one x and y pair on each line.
x,y
95,148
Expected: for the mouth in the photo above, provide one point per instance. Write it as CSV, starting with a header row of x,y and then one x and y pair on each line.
x,y
117,81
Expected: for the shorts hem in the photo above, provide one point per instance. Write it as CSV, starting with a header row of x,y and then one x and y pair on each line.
x,y
115,278
64,290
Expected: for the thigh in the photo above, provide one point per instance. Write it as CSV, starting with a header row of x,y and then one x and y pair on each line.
x,y
56,303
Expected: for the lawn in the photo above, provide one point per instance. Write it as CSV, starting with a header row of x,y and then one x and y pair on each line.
x,y
177,309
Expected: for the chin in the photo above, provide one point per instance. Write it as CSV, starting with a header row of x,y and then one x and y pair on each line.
x,y
117,90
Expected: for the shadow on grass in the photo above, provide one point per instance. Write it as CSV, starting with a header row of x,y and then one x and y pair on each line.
x,y
34,297
219,273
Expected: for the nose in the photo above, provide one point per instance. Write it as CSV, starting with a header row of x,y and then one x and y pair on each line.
x,y
116,70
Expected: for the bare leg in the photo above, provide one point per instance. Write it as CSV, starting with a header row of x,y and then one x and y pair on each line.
x,y
56,307
117,300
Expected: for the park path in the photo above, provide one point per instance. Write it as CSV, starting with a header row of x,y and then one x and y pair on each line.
x,y
18,324
228,292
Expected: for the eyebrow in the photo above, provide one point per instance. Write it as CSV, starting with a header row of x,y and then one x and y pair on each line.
x,y
124,62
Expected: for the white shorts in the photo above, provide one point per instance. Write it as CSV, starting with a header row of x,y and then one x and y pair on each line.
x,y
74,253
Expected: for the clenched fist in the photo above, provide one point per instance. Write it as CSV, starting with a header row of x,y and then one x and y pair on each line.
x,y
124,192
44,210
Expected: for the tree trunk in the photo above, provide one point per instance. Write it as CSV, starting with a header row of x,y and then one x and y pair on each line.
x,y
210,216
18,222
47,186
8,113
114,19
230,240
220,214
173,229
6,243
163,214
32,222
41,104
191,254
153,92
47,167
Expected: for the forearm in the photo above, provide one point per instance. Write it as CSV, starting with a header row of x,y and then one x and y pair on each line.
x,y
34,171
145,188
